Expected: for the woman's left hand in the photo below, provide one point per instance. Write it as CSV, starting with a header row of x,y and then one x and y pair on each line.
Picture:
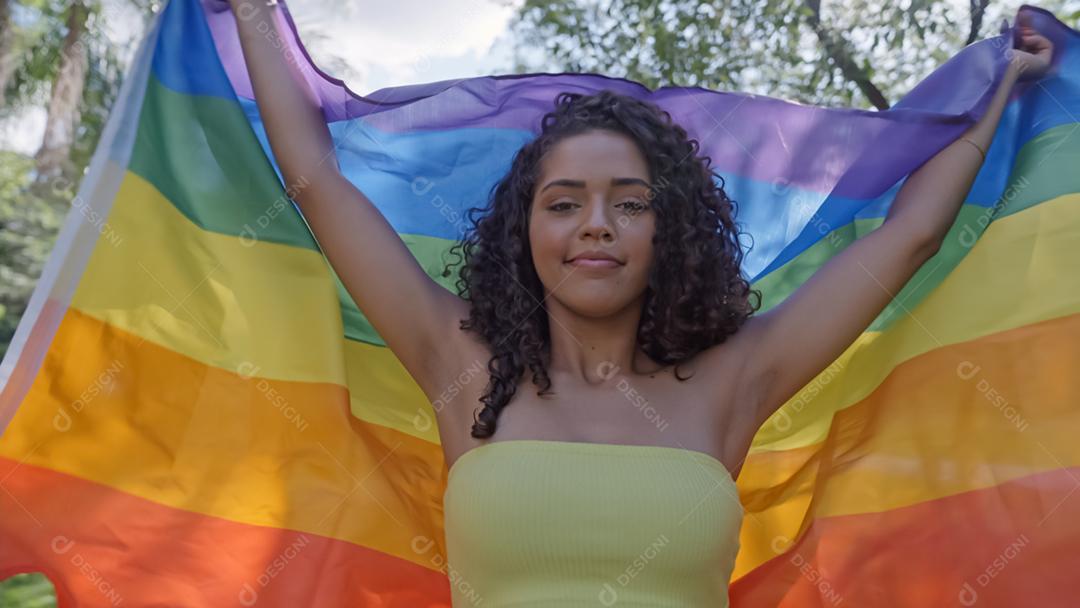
x,y
1032,57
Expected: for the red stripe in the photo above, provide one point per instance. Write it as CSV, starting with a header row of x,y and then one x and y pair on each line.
x,y
1014,544
104,547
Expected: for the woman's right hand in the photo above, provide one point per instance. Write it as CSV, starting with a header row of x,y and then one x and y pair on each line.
x,y
1032,57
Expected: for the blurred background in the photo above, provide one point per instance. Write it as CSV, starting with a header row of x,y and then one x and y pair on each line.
x,y
62,63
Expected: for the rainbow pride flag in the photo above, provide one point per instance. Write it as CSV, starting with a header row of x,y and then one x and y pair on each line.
x,y
195,413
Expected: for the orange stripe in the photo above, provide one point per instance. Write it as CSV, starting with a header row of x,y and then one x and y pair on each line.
x,y
1010,545
29,359
106,548
963,417
200,438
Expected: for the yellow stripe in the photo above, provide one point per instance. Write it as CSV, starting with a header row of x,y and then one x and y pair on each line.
x,y
1023,270
959,418
252,307
381,391
111,408
212,296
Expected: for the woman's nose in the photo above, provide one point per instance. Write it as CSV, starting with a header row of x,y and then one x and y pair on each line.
x,y
597,222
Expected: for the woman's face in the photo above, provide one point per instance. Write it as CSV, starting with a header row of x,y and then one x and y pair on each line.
x,y
593,195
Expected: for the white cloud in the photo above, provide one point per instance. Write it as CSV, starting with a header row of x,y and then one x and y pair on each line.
x,y
405,42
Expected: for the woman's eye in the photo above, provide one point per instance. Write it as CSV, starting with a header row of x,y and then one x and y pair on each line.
x,y
632,205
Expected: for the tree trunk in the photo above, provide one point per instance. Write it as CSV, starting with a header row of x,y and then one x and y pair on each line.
x,y
7,49
837,50
67,90
978,9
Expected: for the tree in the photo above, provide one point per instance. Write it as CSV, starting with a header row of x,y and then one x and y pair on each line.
x,y
7,47
856,53
67,89
30,218
65,61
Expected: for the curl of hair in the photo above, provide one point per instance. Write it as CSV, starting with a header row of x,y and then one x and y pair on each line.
x,y
696,295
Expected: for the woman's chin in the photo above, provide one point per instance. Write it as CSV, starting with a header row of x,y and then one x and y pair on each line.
x,y
595,303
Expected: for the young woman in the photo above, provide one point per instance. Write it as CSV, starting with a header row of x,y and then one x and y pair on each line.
x,y
602,292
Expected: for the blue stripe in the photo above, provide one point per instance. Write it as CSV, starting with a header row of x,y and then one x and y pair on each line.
x,y
186,59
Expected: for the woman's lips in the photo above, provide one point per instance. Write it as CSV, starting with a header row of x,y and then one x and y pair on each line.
x,y
591,263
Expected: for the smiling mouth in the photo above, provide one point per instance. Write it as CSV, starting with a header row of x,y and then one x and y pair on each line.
x,y
593,263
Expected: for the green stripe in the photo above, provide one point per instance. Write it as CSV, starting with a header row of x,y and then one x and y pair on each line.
x,y
1045,168
202,155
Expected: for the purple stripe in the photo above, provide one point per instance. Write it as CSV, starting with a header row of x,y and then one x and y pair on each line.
x,y
846,152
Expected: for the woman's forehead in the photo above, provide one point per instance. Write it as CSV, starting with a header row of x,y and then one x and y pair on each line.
x,y
595,157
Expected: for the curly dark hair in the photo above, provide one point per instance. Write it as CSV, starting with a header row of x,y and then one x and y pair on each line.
x,y
696,296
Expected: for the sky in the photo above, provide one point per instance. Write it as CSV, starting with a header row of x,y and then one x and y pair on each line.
x,y
405,42
368,44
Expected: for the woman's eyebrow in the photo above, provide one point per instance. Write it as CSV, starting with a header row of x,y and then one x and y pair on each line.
x,y
615,181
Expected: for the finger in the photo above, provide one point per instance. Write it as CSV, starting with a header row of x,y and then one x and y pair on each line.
x,y
1035,40
1023,25
1041,43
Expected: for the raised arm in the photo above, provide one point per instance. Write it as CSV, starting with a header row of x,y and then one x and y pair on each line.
x,y
416,316
797,339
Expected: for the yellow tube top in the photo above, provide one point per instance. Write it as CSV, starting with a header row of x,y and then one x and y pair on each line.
x,y
533,522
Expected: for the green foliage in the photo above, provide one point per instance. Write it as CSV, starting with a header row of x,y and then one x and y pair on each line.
x,y
27,591
30,218
30,214
768,47
41,43
39,34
